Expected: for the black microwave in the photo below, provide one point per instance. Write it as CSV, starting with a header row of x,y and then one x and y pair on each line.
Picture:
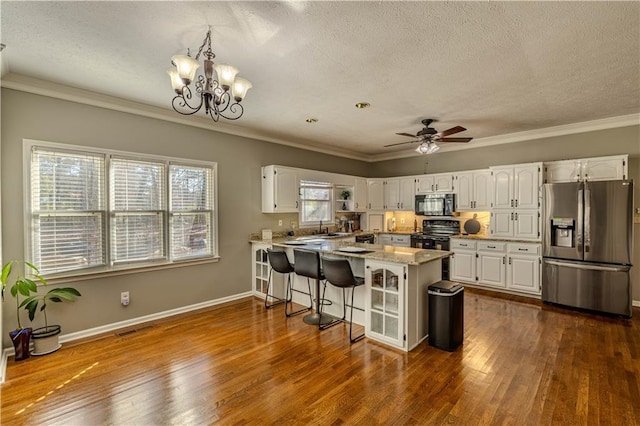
x,y
435,204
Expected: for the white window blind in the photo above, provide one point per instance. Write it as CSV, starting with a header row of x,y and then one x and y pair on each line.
x,y
137,194
67,207
110,210
315,202
191,210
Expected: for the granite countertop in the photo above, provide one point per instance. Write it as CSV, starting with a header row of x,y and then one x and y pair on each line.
x,y
402,255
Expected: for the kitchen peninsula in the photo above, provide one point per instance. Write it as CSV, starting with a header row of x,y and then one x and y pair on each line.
x,y
392,305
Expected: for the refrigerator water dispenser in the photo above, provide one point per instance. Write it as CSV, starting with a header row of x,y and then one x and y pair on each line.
x,y
562,230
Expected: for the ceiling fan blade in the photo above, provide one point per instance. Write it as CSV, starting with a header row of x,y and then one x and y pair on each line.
x,y
406,134
452,131
401,143
454,139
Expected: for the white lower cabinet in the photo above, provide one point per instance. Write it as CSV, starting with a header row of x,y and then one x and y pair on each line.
x,y
523,268
491,261
260,268
385,285
498,264
463,261
398,240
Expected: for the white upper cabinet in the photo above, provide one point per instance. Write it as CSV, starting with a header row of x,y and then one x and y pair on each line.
x,y
587,169
516,201
392,194
360,195
375,194
473,190
279,189
438,183
516,186
407,194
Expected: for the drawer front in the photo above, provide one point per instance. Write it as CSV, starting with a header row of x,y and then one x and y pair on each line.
x,y
523,248
462,244
493,246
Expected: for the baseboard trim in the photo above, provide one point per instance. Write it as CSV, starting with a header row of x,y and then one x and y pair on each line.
x,y
636,303
65,338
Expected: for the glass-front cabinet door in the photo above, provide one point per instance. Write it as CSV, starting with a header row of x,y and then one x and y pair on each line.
x,y
385,285
260,267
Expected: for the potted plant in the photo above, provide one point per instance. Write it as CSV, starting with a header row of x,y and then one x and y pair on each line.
x,y
21,286
45,339
345,194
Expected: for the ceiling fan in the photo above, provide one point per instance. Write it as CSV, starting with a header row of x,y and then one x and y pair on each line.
x,y
428,137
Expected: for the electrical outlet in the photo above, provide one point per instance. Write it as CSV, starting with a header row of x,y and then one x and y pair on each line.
x,y
124,298
402,221
280,222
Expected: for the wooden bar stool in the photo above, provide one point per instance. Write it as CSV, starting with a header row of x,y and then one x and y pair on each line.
x,y
338,273
280,263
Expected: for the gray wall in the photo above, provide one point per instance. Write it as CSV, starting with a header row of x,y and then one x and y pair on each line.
x,y
28,116
239,160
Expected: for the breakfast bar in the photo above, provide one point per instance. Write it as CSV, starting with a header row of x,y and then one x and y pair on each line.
x,y
393,304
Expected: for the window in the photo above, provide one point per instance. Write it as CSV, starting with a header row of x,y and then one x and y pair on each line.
x,y
100,211
315,202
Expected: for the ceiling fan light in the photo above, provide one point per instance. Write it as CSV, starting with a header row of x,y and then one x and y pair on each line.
x,y
240,87
226,75
423,148
433,148
176,82
186,67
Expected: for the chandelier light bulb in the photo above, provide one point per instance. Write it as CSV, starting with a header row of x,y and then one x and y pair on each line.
x,y
186,67
176,82
240,88
226,75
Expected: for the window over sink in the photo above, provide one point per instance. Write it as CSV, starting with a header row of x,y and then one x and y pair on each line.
x,y
316,202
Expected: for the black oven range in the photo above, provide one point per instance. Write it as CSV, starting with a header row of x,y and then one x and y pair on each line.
x,y
435,236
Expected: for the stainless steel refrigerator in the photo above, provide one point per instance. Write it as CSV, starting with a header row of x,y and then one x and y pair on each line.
x,y
587,245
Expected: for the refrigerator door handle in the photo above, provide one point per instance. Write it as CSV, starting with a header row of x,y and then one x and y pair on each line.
x,y
587,266
578,235
587,214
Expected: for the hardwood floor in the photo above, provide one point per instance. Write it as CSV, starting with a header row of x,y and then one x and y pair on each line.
x,y
520,363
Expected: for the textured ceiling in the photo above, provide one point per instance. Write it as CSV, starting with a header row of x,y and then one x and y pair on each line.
x,y
495,68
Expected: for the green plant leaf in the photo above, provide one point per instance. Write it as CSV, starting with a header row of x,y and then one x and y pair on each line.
x,y
31,307
55,299
6,270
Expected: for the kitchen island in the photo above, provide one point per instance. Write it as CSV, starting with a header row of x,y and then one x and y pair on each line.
x,y
392,305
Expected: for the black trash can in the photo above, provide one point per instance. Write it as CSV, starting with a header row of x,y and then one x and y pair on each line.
x,y
446,315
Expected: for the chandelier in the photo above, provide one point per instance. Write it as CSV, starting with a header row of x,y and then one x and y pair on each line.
x,y
220,96
427,147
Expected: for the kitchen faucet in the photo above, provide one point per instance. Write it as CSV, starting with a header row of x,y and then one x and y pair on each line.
x,y
320,229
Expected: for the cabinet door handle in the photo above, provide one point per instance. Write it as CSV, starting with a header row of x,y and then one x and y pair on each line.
x,y
511,203
356,205
511,215
491,246
398,205
431,187
516,203
436,186
509,261
503,260
516,215
296,204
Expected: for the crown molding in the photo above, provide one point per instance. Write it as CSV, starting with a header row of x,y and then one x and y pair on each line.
x,y
54,90
59,91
